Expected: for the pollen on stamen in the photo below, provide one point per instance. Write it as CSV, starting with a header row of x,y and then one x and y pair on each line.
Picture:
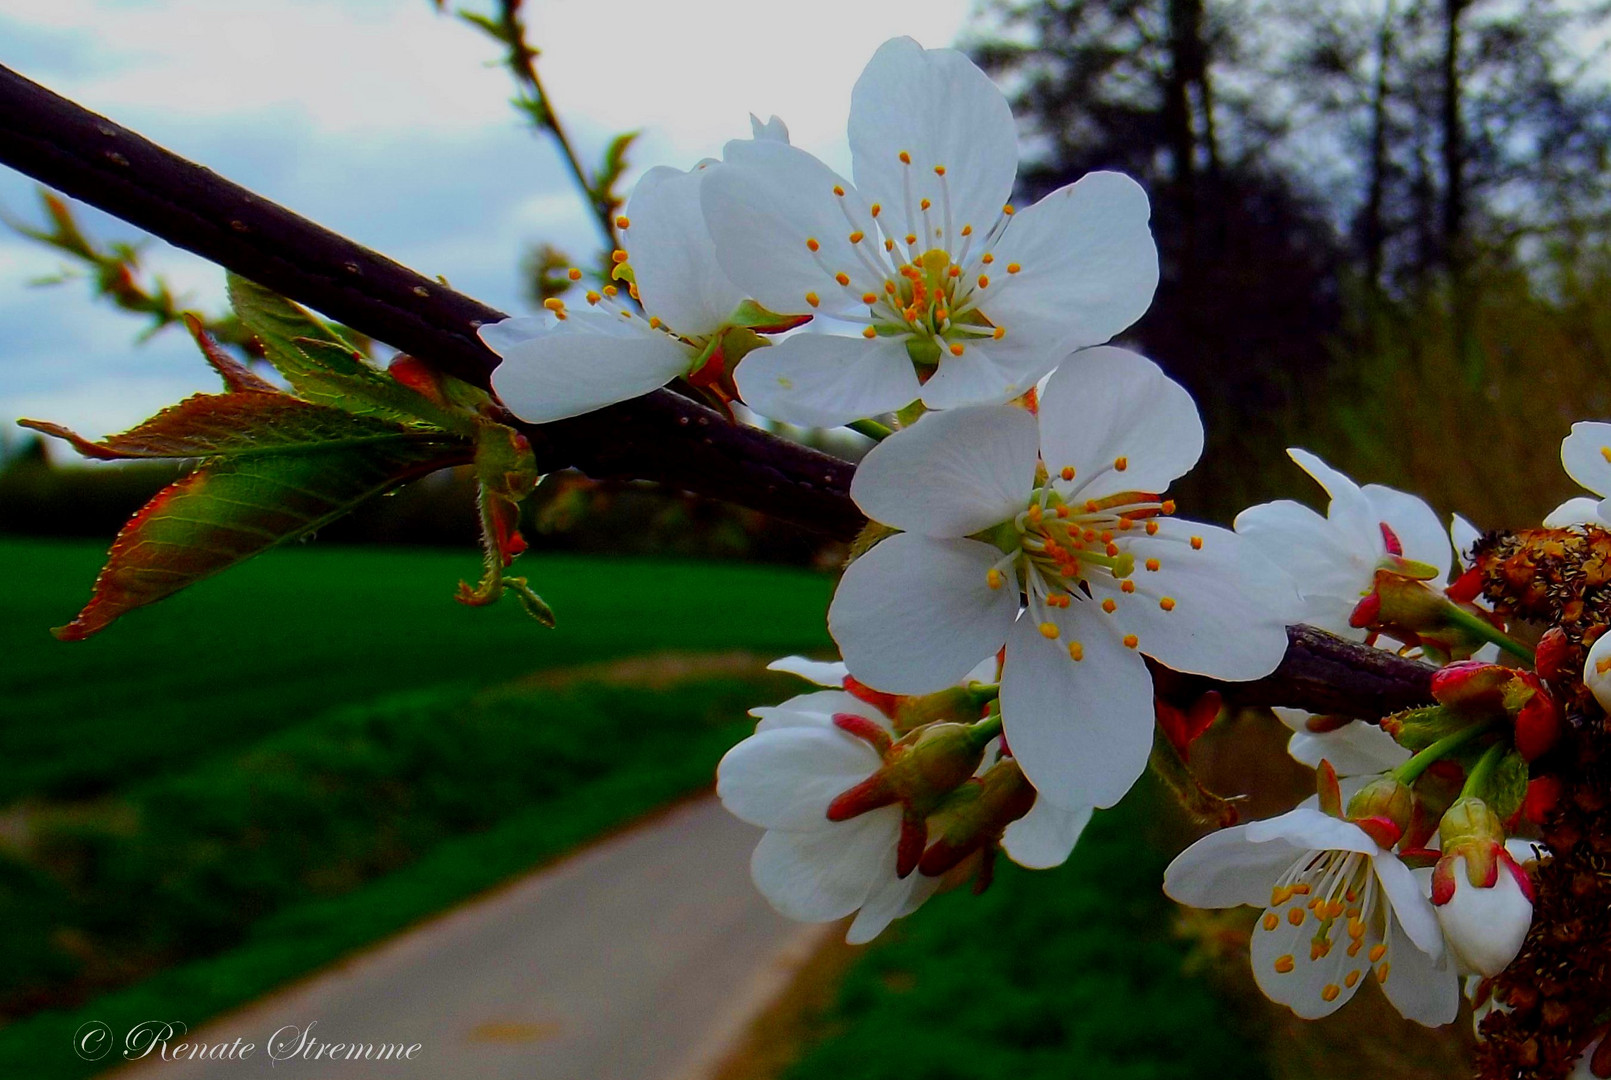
x,y
856,237
813,299
1295,916
906,159
1381,973
875,209
956,348
554,304
1153,564
593,297
623,222
1049,631
998,333
655,323
889,287
842,277
967,230
1271,920
869,298
811,243
1167,506
611,291
1377,952
1351,979
839,191
953,271
911,238
1602,666
1167,603
1062,511
1076,651
1112,549
574,274
889,245
994,578
1284,965
1121,463
939,170
1109,605
1197,543
618,256
1008,210
1013,268
1152,528
1127,586
1605,452
984,281
924,204
987,258
1131,641
1330,992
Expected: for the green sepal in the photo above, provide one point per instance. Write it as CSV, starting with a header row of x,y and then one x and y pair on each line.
x,y
753,316
1417,729
924,351
1505,787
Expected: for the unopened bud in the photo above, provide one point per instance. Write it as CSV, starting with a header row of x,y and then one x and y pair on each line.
x,y
918,771
1552,658
1538,721
1472,686
1383,808
995,800
957,704
1486,907
1404,607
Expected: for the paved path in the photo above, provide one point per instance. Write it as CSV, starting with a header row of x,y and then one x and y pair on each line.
x,y
641,958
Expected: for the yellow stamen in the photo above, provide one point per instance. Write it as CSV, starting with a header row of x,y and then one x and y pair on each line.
x,y
1285,964
1109,606
1197,543
984,281
869,333
1013,268
813,299
1131,641
956,348
1167,603
811,243
906,159
1076,651
1330,992
574,274
1153,565
994,578
1121,463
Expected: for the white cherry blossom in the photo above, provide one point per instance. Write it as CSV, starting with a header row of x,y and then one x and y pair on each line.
x,y
1597,671
783,778
1333,559
1354,749
1079,573
926,281
572,360
1338,910
1586,455
1485,926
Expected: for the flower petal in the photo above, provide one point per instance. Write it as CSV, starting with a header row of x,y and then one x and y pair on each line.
x,y
763,205
1089,266
827,873
952,473
1044,837
1350,510
785,778
1227,606
986,373
816,709
915,614
937,107
1422,988
673,257
1581,510
1410,904
1586,455
1415,524
1328,572
1309,828
821,672
591,359
1107,403
825,380
889,900
1227,869
1355,749
1081,730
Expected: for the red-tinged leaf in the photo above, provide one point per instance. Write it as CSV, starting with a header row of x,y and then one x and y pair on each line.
x,y
236,375
276,468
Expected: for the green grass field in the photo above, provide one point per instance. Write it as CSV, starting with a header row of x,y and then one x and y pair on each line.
x,y
297,631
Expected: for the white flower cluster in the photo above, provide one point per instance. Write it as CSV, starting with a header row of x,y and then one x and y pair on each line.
x,y
1025,571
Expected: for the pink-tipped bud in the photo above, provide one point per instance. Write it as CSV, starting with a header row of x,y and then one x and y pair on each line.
x,y
1383,808
1538,724
1485,906
1472,685
1553,657
975,822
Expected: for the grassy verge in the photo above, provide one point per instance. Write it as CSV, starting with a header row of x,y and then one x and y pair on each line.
x,y
1048,975
258,857
238,657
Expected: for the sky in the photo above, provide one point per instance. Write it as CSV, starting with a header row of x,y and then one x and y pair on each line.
x,y
389,123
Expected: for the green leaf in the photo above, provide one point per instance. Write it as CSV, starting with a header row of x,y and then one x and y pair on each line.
x,y
324,368
275,468
506,472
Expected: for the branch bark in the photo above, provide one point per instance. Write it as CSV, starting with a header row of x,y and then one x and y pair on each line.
x,y
660,436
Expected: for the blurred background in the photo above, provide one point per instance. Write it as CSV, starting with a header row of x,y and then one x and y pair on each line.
x,y
1383,228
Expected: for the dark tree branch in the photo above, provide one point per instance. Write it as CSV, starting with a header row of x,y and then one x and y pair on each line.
x,y
659,437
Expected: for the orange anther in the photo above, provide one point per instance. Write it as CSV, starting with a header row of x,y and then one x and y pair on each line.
x,y
842,277
1153,565
984,281
811,242
1131,641
1167,603
869,333
956,348
1109,606
574,274
813,299
906,159
1197,543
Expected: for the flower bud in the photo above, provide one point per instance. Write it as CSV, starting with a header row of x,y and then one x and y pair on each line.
x,y
1404,607
1597,671
1383,809
1538,721
1553,655
957,703
1471,685
919,771
977,814
1483,899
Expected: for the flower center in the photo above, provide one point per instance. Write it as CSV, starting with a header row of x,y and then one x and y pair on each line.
x,y
918,273
1337,892
1064,551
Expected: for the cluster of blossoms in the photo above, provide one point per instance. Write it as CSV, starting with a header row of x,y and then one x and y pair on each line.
x,y
1024,569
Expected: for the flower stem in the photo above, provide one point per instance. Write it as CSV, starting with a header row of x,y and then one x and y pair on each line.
x,y
1483,770
986,729
1488,632
870,428
1411,770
